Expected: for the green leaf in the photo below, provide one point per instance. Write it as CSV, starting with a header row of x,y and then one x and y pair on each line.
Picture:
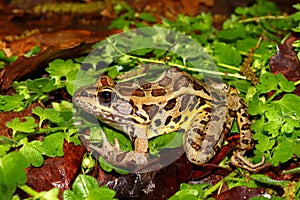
x,y
105,165
9,103
261,198
108,167
261,8
257,127
272,128
289,103
125,143
7,59
52,144
246,44
227,54
296,149
26,126
86,188
170,140
71,78
48,195
4,148
281,155
267,180
290,125
12,173
33,153
268,83
62,106
49,114
237,32
136,43
65,109
256,106
285,85
266,8
297,6
187,194
41,85
264,142
59,69
119,23
35,50
72,136
190,192
147,17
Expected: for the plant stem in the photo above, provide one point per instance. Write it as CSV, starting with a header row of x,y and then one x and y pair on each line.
x,y
28,190
219,184
257,19
297,83
147,60
273,96
228,66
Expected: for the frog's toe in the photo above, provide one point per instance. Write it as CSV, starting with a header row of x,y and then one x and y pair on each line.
x,y
239,160
117,145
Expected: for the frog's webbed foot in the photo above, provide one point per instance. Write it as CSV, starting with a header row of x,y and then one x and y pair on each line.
x,y
114,155
238,160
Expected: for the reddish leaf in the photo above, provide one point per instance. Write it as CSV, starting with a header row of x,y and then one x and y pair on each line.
x,y
23,66
57,172
286,61
238,193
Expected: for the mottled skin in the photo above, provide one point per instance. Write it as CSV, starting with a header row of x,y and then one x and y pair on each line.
x,y
176,101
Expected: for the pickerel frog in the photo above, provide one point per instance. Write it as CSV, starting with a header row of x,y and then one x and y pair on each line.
x,y
175,101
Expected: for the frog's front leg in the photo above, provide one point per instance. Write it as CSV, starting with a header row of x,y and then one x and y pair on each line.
x,y
237,109
141,145
132,160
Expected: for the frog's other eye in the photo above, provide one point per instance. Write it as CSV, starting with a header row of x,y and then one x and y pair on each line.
x,y
106,95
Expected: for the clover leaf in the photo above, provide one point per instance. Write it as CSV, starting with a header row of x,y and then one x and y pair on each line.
x,y
9,103
227,54
12,173
87,188
277,122
52,145
41,85
281,154
60,69
49,114
26,126
32,151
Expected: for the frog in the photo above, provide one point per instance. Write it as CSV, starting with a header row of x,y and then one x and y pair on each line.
x,y
175,101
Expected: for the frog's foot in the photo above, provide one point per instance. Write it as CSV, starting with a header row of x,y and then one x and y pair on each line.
x,y
114,155
239,160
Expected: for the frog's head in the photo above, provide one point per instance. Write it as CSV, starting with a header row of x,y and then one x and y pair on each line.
x,y
106,102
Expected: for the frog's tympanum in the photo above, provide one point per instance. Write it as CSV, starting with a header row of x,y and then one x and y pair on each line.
x,y
175,101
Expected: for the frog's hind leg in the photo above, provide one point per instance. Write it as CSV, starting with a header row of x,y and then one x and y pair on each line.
x,y
205,136
237,108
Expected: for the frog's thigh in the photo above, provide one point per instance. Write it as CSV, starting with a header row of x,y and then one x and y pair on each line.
x,y
204,138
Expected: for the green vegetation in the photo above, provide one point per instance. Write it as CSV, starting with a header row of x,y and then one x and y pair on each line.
x,y
241,51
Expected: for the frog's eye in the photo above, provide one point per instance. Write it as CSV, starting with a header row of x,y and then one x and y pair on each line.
x,y
106,95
